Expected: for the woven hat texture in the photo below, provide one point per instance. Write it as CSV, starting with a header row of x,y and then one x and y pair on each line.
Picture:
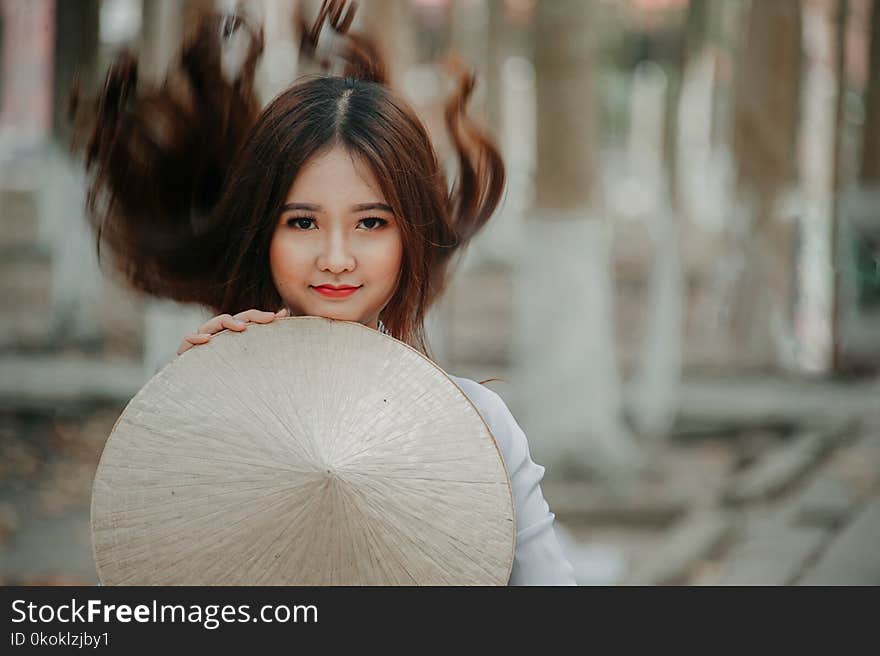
x,y
307,451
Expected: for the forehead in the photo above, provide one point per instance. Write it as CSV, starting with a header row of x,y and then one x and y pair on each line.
x,y
337,172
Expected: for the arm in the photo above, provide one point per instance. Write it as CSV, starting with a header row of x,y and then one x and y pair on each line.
x,y
538,558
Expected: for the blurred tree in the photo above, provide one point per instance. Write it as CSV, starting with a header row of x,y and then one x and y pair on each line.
x,y
76,53
164,26
565,176
496,34
870,169
469,29
392,21
839,359
2,36
694,39
572,384
764,140
508,36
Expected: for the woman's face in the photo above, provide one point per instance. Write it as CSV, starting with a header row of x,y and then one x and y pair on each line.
x,y
336,229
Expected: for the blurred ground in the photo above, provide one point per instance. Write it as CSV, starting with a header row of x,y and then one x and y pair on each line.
x,y
48,463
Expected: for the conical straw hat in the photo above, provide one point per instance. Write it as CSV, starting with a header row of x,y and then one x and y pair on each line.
x,y
302,452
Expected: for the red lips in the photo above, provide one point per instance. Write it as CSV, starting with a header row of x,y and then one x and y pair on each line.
x,y
331,291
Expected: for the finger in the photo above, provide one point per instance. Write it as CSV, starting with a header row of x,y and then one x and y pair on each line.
x,y
232,323
283,312
257,316
193,340
211,326
216,324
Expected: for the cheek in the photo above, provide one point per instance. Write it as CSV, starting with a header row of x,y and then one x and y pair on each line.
x,y
394,258
282,262
275,259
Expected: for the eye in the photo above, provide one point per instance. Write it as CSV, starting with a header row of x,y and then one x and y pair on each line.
x,y
297,222
378,223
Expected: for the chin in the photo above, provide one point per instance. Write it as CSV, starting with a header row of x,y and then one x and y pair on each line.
x,y
339,315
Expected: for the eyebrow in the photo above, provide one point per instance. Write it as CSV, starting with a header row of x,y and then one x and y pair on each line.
x,y
363,207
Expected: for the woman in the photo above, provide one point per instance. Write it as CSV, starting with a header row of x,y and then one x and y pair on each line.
x,y
330,202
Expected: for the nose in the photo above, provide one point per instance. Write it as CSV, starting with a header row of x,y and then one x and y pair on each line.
x,y
336,255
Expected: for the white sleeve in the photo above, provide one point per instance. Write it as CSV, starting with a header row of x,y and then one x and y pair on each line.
x,y
538,558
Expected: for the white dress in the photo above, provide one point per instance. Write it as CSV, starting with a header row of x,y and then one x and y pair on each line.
x,y
538,557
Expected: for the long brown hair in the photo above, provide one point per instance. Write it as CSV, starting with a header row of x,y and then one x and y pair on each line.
x,y
188,178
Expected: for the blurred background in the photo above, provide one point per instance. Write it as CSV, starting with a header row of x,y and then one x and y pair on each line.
x,y
679,296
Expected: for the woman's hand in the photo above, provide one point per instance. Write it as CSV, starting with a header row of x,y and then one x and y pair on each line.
x,y
237,323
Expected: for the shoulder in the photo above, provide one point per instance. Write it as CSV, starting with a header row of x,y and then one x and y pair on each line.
x,y
480,395
488,403
498,418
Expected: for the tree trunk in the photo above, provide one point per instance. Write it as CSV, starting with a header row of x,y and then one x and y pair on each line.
x,y
870,169
571,385
765,125
564,78
76,53
694,38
